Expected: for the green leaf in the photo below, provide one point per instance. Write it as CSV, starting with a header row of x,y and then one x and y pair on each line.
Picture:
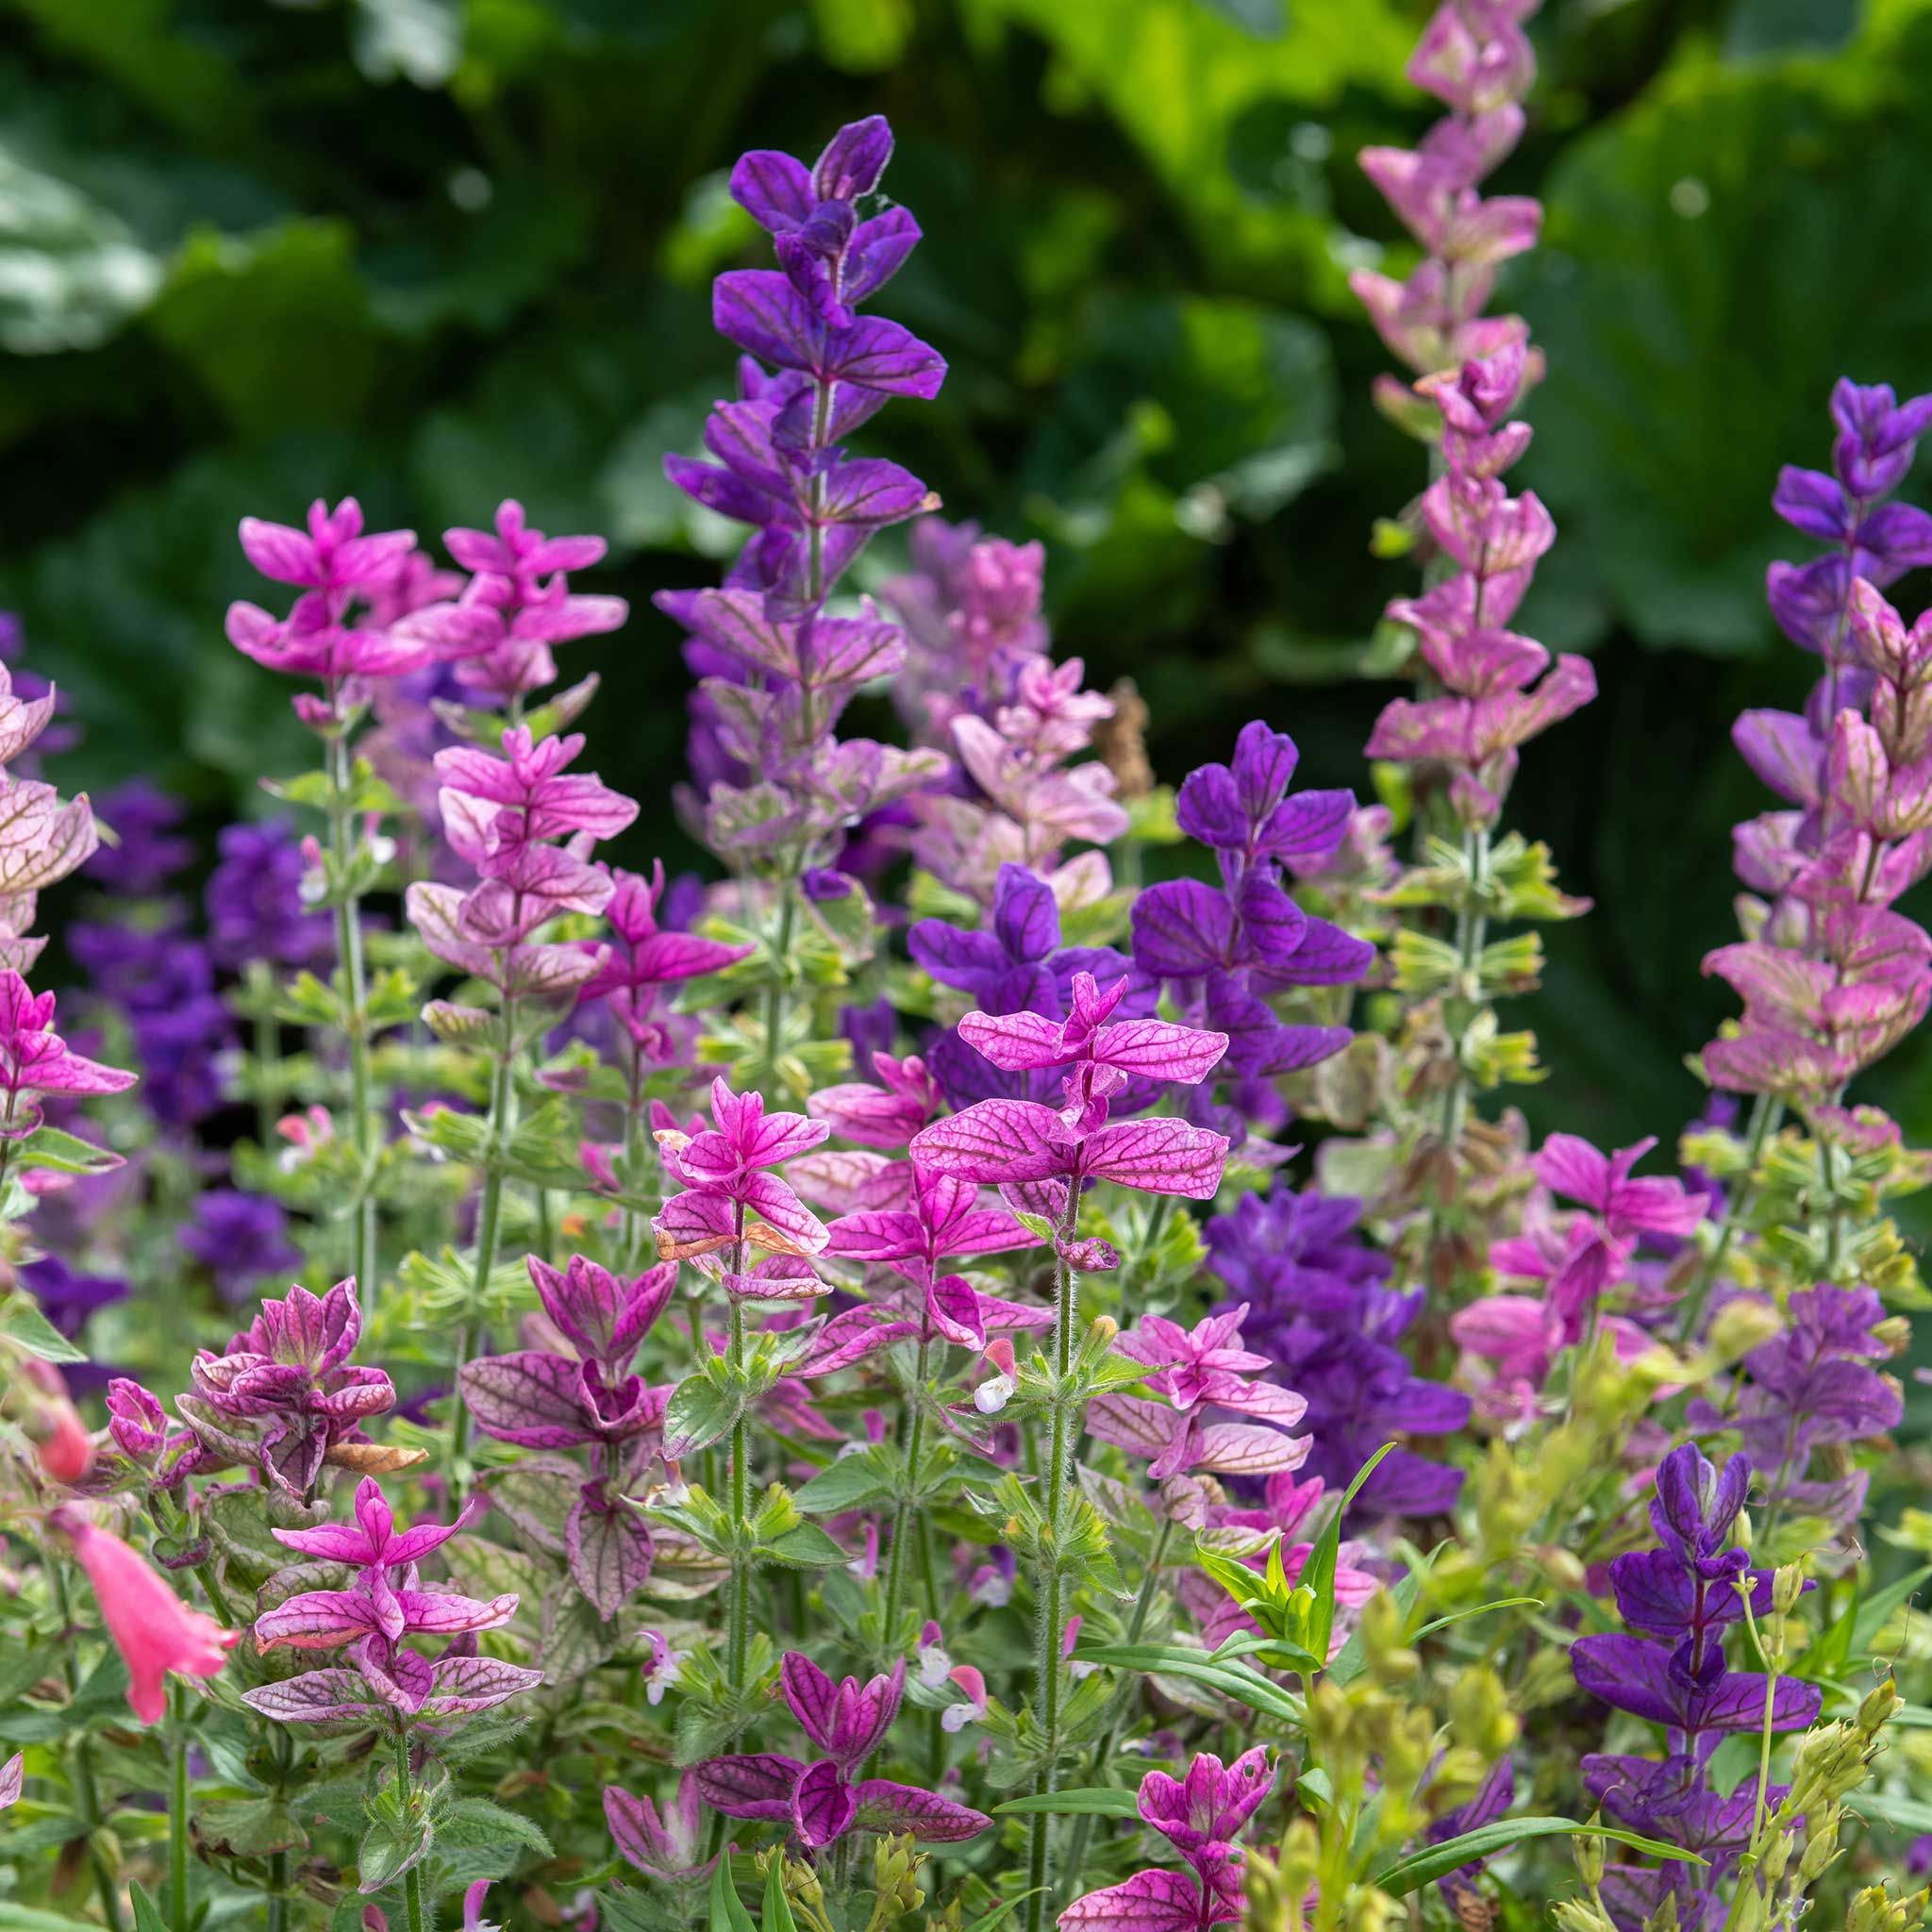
x,y
390,1848
147,1915
777,1913
727,1909
1096,1801
1232,1680
1412,1874
477,1822
1318,1573
804,1546
700,1412
21,1322
1502,1602
64,1152
853,1482
249,1827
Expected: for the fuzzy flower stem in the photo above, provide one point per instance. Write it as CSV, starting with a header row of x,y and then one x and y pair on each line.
x,y
738,1637
1051,1610
774,994
177,1809
365,1125
87,1797
1103,1751
634,1223
1766,1112
412,1879
503,1119
902,1524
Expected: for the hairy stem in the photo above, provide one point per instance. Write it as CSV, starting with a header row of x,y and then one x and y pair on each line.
x,y
1103,1750
412,1879
737,1642
177,1809
503,1119
1051,1610
364,1125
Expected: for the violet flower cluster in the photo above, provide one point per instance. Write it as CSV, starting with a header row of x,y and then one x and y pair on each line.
x,y
775,669
1685,1598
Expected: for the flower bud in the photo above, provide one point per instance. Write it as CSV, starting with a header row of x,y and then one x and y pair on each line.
x,y
1881,1700
1588,1848
1820,1848
1582,1915
1787,1586
1778,1855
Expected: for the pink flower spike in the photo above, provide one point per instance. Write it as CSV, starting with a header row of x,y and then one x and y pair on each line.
x,y
153,1629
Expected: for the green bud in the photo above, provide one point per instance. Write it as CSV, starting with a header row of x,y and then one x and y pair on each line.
x,y
1820,1848
1787,1586
1588,1850
1582,1915
1881,1700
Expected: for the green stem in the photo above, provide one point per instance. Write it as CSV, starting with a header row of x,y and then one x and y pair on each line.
x,y
774,994
738,1640
217,1596
503,1119
82,1763
901,1521
1765,1115
177,1812
365,1126
1834,1207
635,1224
1052,1614
412,1879
1103,1751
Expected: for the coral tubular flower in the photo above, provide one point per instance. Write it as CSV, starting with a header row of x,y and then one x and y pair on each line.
x,y
153,1629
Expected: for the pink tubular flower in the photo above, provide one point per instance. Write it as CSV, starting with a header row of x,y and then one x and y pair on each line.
x,y
153,1629
67,1451
728,1198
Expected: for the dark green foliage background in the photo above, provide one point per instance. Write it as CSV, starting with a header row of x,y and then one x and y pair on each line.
x,y
438,251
